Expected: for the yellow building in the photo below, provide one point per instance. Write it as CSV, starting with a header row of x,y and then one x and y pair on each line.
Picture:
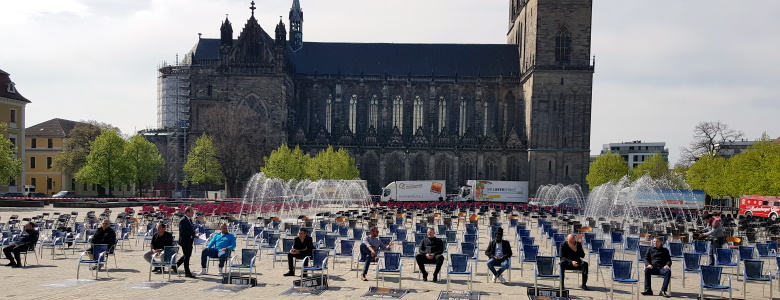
x,y
43,142
12,105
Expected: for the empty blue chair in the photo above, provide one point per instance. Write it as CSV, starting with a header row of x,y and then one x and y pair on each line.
x,y
451,236
676,250
471,250
746,253
753,271
606,256
724,258
701,247
589,237
247,263
710,279
400,235
470,238
529,253
546,269
357,234
595,245
282,248
616,238
409,251
319,263
346,249
691,263
621,273
391,263
459,265
765,250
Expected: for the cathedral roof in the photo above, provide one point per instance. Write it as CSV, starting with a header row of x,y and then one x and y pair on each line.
x,y
393,59
407,59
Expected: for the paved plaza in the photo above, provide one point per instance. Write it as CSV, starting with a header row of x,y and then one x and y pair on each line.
x,y
55,278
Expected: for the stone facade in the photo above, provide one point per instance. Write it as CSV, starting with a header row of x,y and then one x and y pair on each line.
x,y
519,111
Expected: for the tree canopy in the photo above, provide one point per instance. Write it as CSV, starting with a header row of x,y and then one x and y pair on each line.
x,y
144,160
607,167
202,165
10,165
106,163
330,164
76,147
655,166
286,163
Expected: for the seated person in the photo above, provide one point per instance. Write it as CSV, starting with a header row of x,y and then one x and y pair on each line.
x,y
571,259
219,246
658,261
499,251
104,235
431,252
28,239
303,247
369,249
160,240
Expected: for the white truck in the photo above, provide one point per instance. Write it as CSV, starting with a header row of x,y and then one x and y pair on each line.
x,y
418,190
494,191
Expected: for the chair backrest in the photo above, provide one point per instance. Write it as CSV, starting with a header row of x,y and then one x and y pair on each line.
x,y
347,247
557,247
392,228
723,256
530,252
294,229
400,234
408,249
469,249
98,250
595,245
616,236
559,237
471,229
441,229
287,244
642,251
273,238
343,231
386,239
773,245
168,252
700,246
392,260
545,265
459,262
419,237
692,261
621,269
606,256
319,256
246,256
470,238
632,243
527,240
589,236
763,250
676,249
754,268
451,236
710,275
257,230
330,241
746,252
357,233
524,233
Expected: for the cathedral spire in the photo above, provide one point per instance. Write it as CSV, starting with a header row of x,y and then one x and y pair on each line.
x,y
296,26
226,36
281,33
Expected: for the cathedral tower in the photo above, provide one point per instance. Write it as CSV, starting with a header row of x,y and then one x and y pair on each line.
x,y
296,26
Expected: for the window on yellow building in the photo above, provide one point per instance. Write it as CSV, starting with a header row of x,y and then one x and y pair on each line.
x,y
32,162
48,162
49,183
51,144
13,116
33,182
34,143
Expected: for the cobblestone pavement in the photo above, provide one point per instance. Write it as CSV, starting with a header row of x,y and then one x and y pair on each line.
x,y
54,278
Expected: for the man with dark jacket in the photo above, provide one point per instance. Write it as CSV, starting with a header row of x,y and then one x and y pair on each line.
x,y
186,238
571,259
104,235
28,240
303,247
499,251
160,240
659,262
431,251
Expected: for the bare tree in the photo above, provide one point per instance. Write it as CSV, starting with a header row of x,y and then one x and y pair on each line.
x,y
240,139
708,138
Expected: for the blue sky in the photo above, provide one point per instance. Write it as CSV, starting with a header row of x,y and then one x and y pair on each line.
x,y
661,66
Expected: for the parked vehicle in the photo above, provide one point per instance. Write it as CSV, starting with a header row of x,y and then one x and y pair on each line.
x,y
760,206
36,195
64,194
12,195
494,191
417,190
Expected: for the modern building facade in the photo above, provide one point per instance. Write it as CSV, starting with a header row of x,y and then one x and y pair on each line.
x,y
12,105
636,152
514,111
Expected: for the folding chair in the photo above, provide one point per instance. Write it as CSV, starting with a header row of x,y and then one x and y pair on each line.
x,y
691,264
390,263
529,254
710,279
753,271
346,249
459,265
621,273
545,269
319,260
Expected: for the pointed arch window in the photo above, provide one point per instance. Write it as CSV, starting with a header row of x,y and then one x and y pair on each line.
x,y
373,112
486,119
328,113
418,113
442,113
462,117
398,113
353,113
563,45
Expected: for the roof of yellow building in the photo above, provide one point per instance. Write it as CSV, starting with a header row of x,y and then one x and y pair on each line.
x,y
8,89
52,128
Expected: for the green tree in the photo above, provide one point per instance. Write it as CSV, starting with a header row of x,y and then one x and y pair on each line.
x,y
655,166
709,174
10,166
286,163
757,170
106,163
607,167
202,165
330,164
76,147
144,160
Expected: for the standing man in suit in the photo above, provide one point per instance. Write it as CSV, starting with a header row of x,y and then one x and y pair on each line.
x,y
186,238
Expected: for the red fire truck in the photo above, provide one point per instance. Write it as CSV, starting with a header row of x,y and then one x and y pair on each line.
x,y
760,206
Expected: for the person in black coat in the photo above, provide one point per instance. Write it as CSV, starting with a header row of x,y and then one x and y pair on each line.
x,y
431,250
186,238
104,235
571,259
160,240
28,240
499,251
303,247
659,262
